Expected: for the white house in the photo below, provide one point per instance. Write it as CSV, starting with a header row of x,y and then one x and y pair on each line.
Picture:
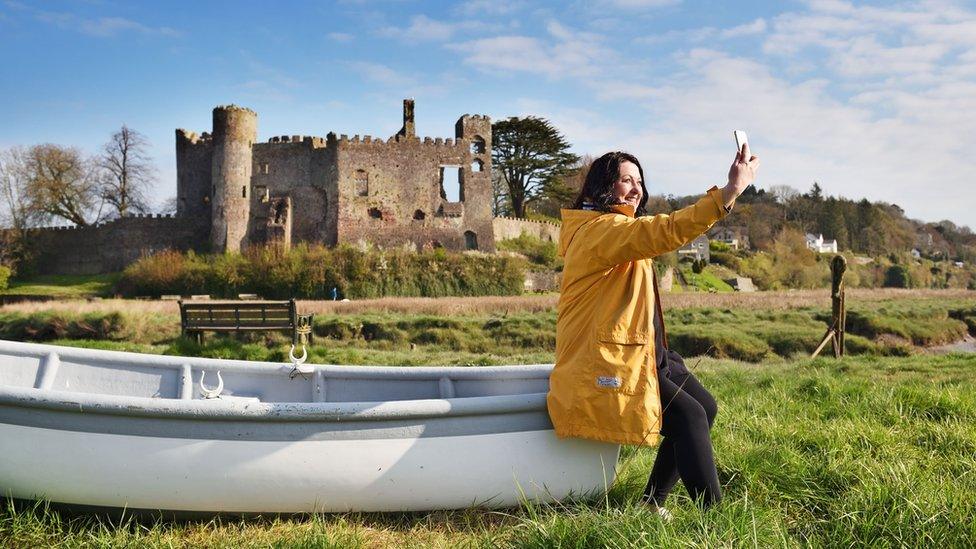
x,y
736,237
696,249
821,246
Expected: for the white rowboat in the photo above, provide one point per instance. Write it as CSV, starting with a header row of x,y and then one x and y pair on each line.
x,y
127,430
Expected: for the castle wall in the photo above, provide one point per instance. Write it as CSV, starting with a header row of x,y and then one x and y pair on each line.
x,y
111,246
304,170
194,165
510,227
403,203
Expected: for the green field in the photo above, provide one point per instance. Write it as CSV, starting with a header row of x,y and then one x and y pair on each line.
x,y
861,451
64,286
874,449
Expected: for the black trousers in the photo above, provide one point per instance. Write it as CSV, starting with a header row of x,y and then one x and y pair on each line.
x,y
686,452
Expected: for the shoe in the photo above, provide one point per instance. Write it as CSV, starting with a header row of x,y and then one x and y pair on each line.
x,y
665,515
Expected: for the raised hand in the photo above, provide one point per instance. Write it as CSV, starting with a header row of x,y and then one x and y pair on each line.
x,y
741,174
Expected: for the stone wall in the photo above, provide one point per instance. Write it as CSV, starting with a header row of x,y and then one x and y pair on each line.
x,y
390,193
510,227
303,169
111,246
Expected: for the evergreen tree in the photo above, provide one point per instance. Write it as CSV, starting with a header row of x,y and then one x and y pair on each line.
x,y
531,157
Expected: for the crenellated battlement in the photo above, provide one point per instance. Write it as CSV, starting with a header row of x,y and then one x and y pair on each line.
x,y
314,141
522,220
192,137
127,219
233,107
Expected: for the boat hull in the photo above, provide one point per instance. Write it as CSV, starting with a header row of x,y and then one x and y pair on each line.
x,y
94,428
246,476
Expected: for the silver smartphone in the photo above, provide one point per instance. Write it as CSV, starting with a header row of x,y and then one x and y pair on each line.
x,y
740,139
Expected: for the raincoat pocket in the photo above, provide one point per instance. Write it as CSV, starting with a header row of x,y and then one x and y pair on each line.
x,y
620,365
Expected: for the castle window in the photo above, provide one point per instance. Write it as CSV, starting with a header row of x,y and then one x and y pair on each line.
x,y
419,215
262,193
375,213
244,191
362,183
470,240
477,145
477,166
264,168
451,183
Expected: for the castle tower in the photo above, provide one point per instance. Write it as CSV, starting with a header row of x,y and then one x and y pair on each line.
x,y
474,131
408,131
234,132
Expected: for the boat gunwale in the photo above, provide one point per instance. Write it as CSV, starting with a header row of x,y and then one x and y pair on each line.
x,y
244,410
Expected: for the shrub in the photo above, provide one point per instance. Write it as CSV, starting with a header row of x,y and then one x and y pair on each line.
x,y
538,251
312,271
718,246
727,259
4,277
897,277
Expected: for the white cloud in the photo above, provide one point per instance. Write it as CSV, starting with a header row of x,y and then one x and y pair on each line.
x,y
340,36
756,27
101,27
425,29
406,85
480,8
641,4
564,52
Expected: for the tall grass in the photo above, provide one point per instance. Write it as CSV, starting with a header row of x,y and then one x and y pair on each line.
x,y
826,453
493,330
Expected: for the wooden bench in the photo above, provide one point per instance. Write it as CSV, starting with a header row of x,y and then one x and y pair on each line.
x,y
197,317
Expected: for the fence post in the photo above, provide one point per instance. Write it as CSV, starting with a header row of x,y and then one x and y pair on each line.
x,y
839,310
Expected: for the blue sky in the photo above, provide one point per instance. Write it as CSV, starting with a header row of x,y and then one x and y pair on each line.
x,y
872,100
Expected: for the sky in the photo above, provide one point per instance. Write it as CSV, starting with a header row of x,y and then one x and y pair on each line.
x,y
874,100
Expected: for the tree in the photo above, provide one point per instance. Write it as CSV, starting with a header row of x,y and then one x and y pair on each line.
x,y
60,183
816,193
783,194
14,181
16,215
562,192
129,171
530,156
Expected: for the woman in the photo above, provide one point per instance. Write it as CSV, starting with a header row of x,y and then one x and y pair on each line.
x,y
615,379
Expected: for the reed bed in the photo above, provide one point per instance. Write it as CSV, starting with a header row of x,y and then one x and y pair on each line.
x,y
473,306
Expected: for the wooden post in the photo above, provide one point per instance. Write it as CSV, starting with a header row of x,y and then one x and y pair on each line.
x,y
839,311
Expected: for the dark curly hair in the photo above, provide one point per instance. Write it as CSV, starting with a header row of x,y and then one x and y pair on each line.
x,y
603,173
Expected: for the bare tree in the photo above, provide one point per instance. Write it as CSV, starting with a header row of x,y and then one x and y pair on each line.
x,y
14,181
169,206
129,172
61,183
784,193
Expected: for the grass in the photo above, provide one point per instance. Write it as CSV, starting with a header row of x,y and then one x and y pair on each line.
x,y
64,286
489,333
705,281
854,452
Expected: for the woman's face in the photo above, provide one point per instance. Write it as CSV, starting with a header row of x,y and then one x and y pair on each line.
x,y
627,188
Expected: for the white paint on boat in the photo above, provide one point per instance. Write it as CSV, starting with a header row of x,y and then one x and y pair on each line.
x,y
316,476
103,428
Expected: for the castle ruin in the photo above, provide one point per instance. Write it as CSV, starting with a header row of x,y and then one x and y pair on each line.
x,y
234,192
336,190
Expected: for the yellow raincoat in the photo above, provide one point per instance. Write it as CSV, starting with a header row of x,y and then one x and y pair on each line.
x,y
604,385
